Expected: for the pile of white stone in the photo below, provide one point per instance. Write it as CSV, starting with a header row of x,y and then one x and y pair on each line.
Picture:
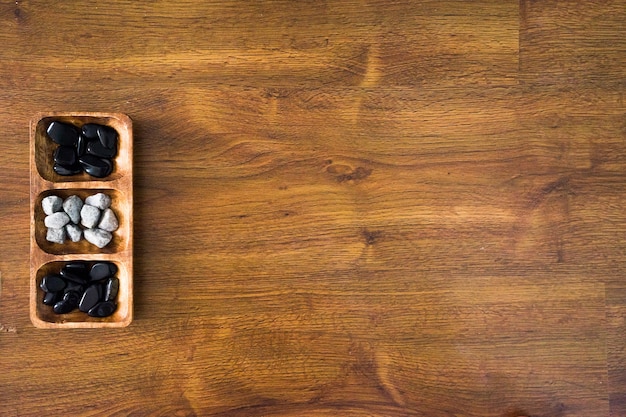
x,y
72,218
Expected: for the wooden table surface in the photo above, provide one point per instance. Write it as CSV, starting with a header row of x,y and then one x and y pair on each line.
x,y
360,208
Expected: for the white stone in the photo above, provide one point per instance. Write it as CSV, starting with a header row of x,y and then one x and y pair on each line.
x,y
109,221
73,232
57,220
55,235
98,237
89,215
100,200
72,206
51,204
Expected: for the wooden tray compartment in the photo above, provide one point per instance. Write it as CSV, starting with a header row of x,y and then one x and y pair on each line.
x,y
48,257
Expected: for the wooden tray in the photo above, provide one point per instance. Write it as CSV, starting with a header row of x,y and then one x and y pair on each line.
x,y
46,257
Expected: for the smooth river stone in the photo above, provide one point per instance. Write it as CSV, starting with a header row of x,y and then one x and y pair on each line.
x,y
102,270
89,215
98,237
52,204
107,136
112,287
51,298
63,307
52,283
103,309
73,277
90,297
108,221
81,145
100,200
65,156
57,220
90,130
55,235
95,148
74,232
96,167
63,133
79,268
67,170
72,206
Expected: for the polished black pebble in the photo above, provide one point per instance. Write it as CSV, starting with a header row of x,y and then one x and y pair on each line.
x,y
81,146
107,136
73,277
90,130
96,167
63,170
112,286
65,155
63,133
77,268
52,283
51,298
95,148
63,307
102,270
103,309
72,298
90,298
73,287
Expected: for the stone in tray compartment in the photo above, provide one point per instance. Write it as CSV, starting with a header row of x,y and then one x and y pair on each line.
x,y
74,232
103,309
63,133
51,298
89,215
65,156
108,221
78,268
57,220
51,204
102,270
112,287
90,130
72,206
107,136
90,298
52,283
98,237
55,235
99,200
96,167
96,148
66,171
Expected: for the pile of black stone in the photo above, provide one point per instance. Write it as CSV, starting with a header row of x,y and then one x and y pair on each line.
x,y
90,287
92,148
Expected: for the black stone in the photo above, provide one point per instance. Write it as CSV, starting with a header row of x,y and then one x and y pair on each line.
x,y
63,307
103,309
63,133
90,130
111,288
52,283
63,170
95,148
73,287
96,167
72,298
65,155
90,298
102,270
77,268
81,146
51,298
74,278
107,136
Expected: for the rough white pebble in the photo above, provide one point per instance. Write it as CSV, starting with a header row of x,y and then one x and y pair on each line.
x,y
55,235
51,204
100,200
73,232
72,206
109,221
56,220
89,216
98,237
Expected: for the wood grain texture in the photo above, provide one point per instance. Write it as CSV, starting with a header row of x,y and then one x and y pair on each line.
x,y
340,208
